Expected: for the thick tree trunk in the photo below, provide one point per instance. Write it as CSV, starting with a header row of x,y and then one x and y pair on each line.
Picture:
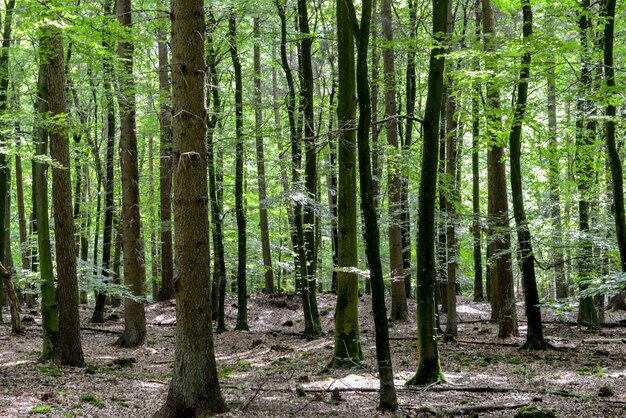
x,y
429,368
399,310
242,293
347,341
165,171
134,262
502,294
388,397
194,390
41,224
69,350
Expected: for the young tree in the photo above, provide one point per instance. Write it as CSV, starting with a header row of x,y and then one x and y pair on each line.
x,y
242,293
347,340
534,334
194,390
388,397
134,266
165,170
268,272
502,295
429,368
312,324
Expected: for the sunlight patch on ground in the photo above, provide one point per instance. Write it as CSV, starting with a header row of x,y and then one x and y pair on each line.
x,y
466,309
15,363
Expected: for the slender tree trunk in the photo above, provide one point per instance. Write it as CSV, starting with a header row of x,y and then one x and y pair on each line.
x,y
502,294
312,323
585,150
332,177
411,92
165,171
109,175
534,334
554,178
268,272
399,310
388,398
134,262
213,99
69,351
347,340
16,321
194,389
154,262
242,294
476,219
429,368
375,81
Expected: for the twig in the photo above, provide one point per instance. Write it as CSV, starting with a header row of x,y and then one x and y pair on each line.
x,y
245,407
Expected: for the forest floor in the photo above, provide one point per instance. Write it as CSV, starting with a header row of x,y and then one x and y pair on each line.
x,y
273,371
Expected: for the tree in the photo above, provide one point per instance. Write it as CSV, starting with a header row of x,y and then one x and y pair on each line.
x,y
585,153
69,350
534,334
399,310
502,296
134,267
242,292
165,170
388,398
428,367
194,390
347,340
268,271
312,325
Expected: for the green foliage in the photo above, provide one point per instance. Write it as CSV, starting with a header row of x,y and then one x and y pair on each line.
x,y
92,399
41,409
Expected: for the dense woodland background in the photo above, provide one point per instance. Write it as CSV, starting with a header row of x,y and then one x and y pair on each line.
x,y
420,150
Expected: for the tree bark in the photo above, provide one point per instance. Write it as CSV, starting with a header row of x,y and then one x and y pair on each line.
x,y
134,262
502,294
242,293
534,334
429,368
388,398
347,341
399,310
194,389
69,351
165,171
476,219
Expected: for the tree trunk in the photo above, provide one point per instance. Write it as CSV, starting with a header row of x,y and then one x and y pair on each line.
x,y
194,389
554,178
502,294
69,351
268,271
312,323
347,340
534,334
165,171
242,293
399,310
16,321
585,150
134,262
429,368
109,175
41,224
388,398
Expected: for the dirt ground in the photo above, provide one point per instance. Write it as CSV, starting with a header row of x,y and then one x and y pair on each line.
x,y
273,371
